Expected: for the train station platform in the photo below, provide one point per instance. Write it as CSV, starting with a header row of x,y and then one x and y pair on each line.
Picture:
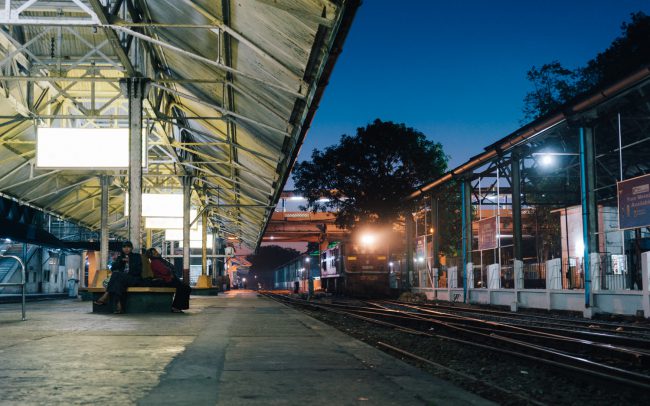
x,y
232,349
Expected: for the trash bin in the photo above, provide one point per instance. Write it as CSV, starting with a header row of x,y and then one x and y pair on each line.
x,y
73,287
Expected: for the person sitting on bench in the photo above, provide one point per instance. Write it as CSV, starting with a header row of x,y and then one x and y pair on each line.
x,y
164,276
126,271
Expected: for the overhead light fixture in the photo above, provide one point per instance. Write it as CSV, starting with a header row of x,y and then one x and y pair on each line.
x,y
546,160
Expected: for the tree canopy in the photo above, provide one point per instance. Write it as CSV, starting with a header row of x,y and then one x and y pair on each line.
x,y
555,85
365,177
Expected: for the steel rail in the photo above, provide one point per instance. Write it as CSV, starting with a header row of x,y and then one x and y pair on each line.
x,y
459,373
567,361
641,341
498,313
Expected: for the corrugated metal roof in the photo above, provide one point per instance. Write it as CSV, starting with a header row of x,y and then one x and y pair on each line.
x,y
236,79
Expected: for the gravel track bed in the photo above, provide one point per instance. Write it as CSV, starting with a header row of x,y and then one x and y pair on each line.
x,y
533,381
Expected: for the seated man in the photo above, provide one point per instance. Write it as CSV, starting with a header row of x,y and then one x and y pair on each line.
x,y
126,271
164,276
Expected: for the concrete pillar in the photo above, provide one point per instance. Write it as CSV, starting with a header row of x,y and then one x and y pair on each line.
x,y
518,266
469,270
136,91
494,276
103,233
554,274
519,274
187,197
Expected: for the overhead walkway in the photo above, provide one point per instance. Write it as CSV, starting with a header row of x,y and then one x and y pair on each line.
x,y
232,349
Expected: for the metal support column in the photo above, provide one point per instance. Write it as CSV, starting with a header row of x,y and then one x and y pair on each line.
x,y
213,272
589,209
204,243
136,92
466,203
410,230
436,232
103,234
204,281
187,197
515,181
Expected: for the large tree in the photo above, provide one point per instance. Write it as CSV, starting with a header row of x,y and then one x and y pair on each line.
x,y
365,177
555,85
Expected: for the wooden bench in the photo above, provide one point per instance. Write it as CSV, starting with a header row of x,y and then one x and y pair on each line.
x,y
138,300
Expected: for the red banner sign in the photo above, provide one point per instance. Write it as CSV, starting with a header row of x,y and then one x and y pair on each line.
x,y
488,232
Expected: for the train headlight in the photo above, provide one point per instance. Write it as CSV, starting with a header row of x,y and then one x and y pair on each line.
x,y
368,239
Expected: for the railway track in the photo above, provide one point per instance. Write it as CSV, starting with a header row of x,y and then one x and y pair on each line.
x,y
614,358
573,323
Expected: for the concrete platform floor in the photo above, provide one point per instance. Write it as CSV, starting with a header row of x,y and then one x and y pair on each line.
x,y
233,349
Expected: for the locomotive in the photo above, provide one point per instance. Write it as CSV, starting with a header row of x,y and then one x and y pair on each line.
x,y
368,264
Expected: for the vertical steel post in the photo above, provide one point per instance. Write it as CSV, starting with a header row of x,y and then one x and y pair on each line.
x,y
515,181
466,229
620,168
213,272
204,243
136,91
187,197
408,216
436,231
588,202
103,233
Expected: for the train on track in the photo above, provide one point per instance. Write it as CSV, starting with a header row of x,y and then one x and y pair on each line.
x,y
368,264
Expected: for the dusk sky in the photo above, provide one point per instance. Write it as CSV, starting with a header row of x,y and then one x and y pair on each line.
x,y
456,70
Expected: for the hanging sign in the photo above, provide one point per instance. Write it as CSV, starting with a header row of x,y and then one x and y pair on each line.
x,y
488,232
634,202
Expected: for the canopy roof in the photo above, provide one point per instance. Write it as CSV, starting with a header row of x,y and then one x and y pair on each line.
x,y
233,88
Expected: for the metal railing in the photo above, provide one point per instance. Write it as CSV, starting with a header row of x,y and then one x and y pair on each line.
x,y
615,272
21,284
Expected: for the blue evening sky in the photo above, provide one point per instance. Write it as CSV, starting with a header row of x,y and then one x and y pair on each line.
x,y
456,70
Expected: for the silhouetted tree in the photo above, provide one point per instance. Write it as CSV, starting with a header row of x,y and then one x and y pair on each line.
x,y
555,85
365,177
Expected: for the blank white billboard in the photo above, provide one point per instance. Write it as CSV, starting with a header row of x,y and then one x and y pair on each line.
x,y
197,243
164,223
177,235
159,205
84,148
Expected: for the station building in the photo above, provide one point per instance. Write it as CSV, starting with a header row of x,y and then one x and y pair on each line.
x,y
555,215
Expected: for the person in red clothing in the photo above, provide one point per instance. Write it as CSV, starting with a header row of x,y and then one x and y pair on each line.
x,y
163,275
